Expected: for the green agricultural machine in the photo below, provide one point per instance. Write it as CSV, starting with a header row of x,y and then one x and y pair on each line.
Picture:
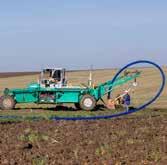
x,y
53,88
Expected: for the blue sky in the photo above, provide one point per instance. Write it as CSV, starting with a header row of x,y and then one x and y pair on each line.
x,y
77,33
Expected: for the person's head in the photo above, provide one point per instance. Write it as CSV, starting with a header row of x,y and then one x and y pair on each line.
x,y
126,92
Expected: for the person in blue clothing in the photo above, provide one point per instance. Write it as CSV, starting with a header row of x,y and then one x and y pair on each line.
x,y
126,100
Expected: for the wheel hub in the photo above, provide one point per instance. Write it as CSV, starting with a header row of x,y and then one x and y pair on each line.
x,y
88,102
7,103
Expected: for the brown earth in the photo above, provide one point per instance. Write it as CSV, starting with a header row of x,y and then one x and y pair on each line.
x,y
16,74
123,141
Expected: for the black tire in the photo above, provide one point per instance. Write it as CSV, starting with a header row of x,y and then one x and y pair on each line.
x,y
87,102
7,103
77,106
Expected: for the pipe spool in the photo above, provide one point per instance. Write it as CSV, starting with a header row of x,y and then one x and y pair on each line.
x,y
141,107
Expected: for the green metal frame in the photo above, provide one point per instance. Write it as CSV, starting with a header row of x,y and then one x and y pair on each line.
x,y
32,93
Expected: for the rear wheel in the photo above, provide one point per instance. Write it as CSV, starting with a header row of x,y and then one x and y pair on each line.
x,y
87,102
7,103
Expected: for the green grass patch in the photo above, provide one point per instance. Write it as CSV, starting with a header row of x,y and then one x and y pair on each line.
x,y
35,115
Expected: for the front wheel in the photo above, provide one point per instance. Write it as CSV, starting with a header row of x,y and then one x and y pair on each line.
x,y
87,102
7,103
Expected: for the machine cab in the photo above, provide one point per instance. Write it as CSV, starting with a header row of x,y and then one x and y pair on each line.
x,y
53,77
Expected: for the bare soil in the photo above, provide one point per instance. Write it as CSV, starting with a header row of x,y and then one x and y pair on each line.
x,y
131,140
16,74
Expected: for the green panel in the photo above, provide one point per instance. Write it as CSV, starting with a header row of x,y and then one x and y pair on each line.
x,y
26,97
67,97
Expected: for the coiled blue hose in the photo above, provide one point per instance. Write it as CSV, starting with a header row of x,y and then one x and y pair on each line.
x,y
141,107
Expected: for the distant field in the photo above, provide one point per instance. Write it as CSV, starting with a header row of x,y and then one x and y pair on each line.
x,y
16,74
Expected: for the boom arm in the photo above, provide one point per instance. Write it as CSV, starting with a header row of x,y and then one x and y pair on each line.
x,y
107,87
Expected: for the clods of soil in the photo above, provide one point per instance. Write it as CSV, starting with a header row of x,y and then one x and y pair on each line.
x,y
135,140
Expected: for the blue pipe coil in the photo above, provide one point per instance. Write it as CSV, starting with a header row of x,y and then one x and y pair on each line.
x,y
141,107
